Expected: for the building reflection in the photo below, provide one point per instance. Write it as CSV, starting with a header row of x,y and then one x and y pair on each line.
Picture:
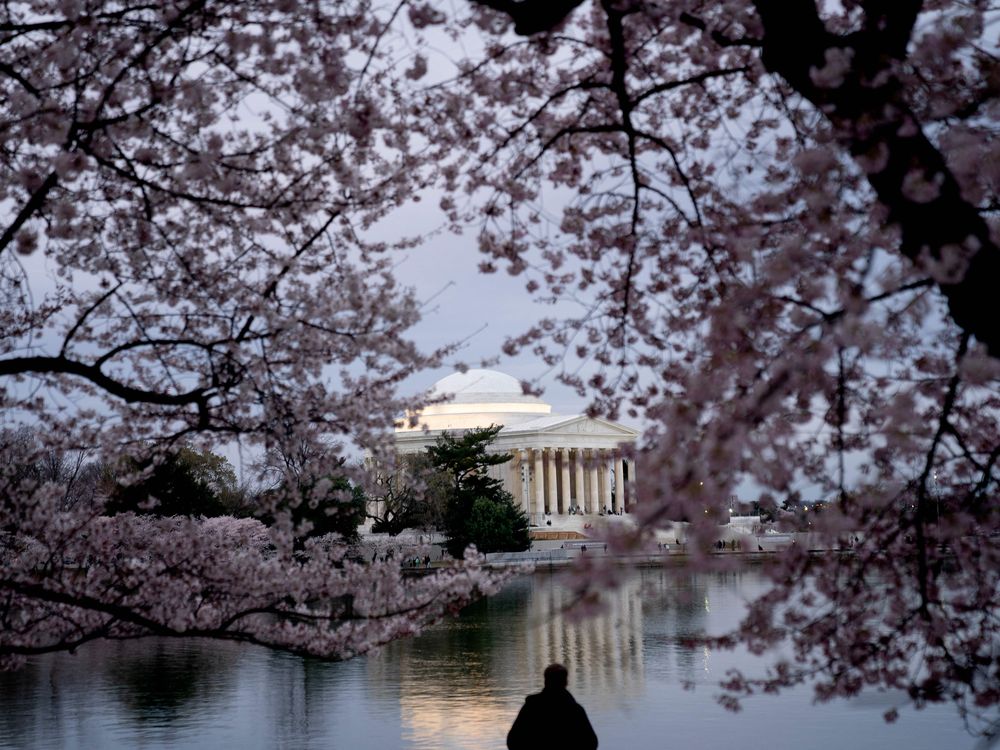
x,y
292,697
462,683
604,653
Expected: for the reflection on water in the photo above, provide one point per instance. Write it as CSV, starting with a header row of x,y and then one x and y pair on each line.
x,y
457,686
461,685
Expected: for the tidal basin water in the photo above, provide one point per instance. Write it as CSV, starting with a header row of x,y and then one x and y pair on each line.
x,y
457,686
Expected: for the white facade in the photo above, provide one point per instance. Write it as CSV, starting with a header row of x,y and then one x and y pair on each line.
x,y
560,464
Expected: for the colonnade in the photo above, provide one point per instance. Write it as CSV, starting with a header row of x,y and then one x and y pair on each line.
x,y
561,481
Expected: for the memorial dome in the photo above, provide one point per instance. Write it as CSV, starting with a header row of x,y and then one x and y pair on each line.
x,y
481,386
478,398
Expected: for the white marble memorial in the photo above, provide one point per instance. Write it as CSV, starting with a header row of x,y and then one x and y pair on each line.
x,y
560,464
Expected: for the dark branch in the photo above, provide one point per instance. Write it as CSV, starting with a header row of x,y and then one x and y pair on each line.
x,y
129,394
532,17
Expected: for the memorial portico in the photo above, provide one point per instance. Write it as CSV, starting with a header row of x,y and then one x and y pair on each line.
x,y
560,464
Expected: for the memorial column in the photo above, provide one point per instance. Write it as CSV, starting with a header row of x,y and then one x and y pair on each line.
x,y
619,481
630,482
539,509
564,496
604,479
593,494
550,473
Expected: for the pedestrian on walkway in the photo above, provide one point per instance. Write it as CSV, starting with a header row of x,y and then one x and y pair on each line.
x,y
552,718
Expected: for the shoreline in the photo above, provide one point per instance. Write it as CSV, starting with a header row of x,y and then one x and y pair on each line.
x,y
547,563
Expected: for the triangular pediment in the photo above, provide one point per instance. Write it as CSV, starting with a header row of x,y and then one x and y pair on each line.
x,y
579,424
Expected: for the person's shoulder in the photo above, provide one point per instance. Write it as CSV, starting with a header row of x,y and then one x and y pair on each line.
x,y
565,696
574,706
554,700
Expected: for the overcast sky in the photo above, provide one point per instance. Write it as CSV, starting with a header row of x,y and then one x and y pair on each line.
x,y
466,305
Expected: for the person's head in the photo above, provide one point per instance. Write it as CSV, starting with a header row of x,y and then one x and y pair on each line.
x,y
556,676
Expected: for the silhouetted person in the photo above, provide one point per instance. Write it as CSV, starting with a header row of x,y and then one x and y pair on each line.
x,y
552,718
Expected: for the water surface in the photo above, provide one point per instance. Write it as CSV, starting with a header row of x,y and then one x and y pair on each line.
x,y
457,686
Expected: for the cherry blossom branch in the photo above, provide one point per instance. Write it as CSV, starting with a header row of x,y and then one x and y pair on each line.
x,y
698,78
874,120
879,127
717,36
922,499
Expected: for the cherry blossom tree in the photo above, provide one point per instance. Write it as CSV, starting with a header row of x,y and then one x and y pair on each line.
x,y
186,196
778,222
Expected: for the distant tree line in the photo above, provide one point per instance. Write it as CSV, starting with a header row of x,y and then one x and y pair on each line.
x,y
446,487
186,481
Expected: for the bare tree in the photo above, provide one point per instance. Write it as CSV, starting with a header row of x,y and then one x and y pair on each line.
x,y
412,496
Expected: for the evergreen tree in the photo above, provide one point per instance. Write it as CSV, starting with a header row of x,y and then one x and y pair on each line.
x,y
497,525
478,509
